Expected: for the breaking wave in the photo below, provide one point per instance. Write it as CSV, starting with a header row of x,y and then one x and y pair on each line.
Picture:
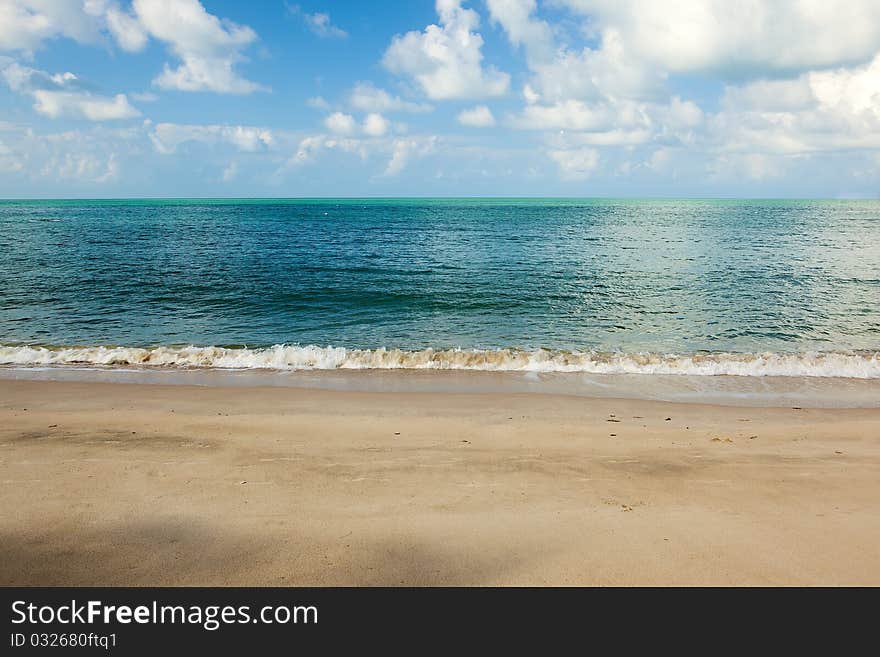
x,y
853,364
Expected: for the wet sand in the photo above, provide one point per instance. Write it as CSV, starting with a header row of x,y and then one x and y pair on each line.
x,y
130,484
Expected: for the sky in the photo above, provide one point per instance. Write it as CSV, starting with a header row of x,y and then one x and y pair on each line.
x,y
608,98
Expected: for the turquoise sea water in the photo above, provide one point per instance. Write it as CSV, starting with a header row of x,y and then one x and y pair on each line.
x,y
726,286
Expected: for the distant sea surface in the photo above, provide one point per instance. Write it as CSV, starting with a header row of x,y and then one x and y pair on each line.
x,y
748,287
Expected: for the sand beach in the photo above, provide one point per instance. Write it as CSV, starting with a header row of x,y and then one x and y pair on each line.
x,y
132,484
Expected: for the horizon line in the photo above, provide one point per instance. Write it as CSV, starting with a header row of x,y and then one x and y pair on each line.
x,y
443,197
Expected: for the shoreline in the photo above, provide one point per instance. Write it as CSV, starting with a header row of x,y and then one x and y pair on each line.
x,y
137,484
724,390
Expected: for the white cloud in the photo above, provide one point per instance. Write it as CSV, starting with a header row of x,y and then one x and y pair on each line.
x,y
609,71
9,160
818,111
404,149
166,137
83,167
800,83
516,17
369,98
576,164
340,123
446,60
853,91
660,160
319,23
589,97
599,96
111,170
208,48
125,28
26,24
610,137
751,38
64,94
94,108
309,148
567,115
375,125
754,166
230,172
477,117
563,73
318,102
399,150
771,95
614,93
74,158
681,114
306,150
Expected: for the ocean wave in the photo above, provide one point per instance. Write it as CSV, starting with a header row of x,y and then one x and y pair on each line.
x,y
860,365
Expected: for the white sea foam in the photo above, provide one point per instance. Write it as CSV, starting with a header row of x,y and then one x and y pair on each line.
x,y
860,365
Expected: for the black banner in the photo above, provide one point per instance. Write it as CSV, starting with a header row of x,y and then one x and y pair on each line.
x,y
149,620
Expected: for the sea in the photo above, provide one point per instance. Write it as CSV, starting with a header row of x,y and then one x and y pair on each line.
x,y
560,294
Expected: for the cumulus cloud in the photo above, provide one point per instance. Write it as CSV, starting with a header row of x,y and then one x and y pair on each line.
x,y
368,98
82,167
404,149
309,148
599,95
566,115
318,102
399,151
230,172
771,95
340,123
801,77
77,105
166,137
562,72
740,39
817,111
781,84
375,125
754,166
319,23
126,29
74,158
145,97
26,24
576,164
523,29
477,117
208,48
9,160
446,60
64,94
673,120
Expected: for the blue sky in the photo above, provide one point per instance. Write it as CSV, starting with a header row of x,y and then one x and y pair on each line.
x,y
104,98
